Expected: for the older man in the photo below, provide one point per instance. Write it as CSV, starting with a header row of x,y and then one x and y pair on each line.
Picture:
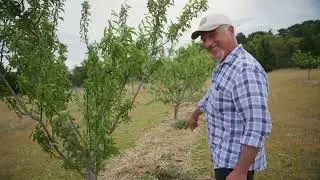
x,y
236,105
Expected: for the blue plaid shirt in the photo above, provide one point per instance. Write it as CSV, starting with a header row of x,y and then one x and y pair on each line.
x,y
236,107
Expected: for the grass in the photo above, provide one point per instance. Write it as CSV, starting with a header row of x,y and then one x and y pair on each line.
x,y
201,155
23,159
169,172
293,149
145,115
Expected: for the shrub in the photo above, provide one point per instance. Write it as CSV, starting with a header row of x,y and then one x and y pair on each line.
x,y
179,124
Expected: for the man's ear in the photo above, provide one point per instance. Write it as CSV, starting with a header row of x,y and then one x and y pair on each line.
x,y
231,29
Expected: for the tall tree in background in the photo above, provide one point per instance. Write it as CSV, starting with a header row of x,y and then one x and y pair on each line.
x,y
260,46
78,75
241,38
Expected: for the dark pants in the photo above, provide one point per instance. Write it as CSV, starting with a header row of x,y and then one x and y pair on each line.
x,y
222,173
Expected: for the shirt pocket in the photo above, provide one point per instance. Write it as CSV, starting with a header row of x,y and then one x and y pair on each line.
x,y
222,99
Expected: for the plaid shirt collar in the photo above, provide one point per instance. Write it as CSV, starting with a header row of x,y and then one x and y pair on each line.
x,y
232,55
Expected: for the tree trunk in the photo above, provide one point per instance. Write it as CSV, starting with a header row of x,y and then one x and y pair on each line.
x,y
89,174
309,71
176,109
132,88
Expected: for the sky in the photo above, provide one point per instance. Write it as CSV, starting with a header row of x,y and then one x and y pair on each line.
x,y
247,15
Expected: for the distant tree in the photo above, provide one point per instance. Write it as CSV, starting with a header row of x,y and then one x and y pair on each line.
x,y
78,75
12,80
306,61
308,32
181,79
241,38
261,48
282,32
257,33
276,50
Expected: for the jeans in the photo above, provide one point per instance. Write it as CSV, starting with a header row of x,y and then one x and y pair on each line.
x,y
222,173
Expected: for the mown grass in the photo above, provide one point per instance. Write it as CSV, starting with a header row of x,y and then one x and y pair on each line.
x,y
293,149
145,115
21,158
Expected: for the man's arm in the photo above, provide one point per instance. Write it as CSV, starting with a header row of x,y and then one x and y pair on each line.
x,y
247,157
192,123
251,99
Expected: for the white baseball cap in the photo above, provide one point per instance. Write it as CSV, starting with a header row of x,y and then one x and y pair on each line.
x,y
210,23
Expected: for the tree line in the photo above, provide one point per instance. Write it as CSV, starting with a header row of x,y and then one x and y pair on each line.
x,y
273,50
277,51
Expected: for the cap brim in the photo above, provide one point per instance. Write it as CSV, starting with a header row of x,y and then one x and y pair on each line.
x,y
196,34
199,32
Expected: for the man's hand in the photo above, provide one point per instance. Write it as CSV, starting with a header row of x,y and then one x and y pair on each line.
x,y
192,123
236,175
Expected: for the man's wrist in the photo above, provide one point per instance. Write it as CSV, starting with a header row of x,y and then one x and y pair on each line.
x,y
247,157
196,113
241,170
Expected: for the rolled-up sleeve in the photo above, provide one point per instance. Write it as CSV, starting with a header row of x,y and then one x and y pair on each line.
x,y
251,100
203,102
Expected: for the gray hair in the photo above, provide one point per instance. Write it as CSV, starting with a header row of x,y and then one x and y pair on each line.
x,y
225,27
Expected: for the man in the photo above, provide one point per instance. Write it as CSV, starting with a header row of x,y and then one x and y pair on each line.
x,y
236,106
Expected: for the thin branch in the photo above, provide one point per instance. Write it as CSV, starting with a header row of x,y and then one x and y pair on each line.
x,y
18,99
139,87
2,50
142,81
75,129
38,20
26,112
51,139
126,79
7,70
161,45
55,146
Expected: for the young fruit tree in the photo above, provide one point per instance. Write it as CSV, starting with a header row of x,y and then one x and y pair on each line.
x,y
155,33
30,47
181,78
306,61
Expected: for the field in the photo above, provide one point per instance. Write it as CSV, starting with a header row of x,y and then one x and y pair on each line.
x,y
151,148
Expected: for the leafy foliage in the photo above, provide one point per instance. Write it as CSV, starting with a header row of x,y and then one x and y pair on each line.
x,y
275,51
305,61
29,45
78,75
152,35
179,124
261,48
181,78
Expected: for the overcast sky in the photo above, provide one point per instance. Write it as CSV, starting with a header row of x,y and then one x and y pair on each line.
x,y
247,15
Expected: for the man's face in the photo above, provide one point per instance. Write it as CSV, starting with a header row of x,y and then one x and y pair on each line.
x,y
217,42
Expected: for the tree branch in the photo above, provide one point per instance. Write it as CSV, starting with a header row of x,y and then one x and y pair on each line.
x,y
2,50
18,99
